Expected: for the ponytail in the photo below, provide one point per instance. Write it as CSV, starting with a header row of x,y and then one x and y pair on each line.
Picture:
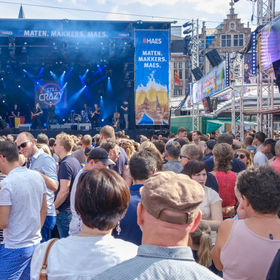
x,y
204,249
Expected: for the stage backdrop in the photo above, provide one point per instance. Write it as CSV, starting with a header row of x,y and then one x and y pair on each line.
x,y
151,77
50,91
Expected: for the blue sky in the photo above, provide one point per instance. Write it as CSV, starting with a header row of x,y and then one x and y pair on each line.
x,y
212,11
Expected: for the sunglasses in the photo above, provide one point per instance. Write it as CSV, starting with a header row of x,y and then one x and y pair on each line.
x,y
23,145
241,156
181,156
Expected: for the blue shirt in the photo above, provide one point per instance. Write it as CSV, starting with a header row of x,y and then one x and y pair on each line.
x,y
236,164
130,231
159,263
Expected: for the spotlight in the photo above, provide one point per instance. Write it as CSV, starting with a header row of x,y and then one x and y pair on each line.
x,y
18,86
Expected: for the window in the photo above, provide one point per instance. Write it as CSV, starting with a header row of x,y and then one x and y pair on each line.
x,y
178,92
226,41
238,40
223,39
180,74
180,65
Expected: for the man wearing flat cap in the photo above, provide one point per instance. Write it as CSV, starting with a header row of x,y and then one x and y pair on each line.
x,y
167,213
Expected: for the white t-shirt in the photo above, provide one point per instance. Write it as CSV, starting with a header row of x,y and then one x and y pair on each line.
x,y
23,190
210,197
75,226
77,257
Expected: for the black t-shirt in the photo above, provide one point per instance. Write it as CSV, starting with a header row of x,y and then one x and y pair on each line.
x,y
68,169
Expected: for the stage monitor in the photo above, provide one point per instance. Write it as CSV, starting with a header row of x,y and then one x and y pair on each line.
x,y
276,67
214,57
197,73
207,105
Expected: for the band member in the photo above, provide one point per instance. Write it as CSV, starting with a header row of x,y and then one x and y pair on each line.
x,y
15,113
36,115
51,114
116,120
124,114
85,113
94,115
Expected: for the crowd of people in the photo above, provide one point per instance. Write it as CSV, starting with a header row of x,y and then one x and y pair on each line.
x,y
104,206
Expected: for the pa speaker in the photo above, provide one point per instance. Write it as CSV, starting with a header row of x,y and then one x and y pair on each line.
x,y
197,73
214,57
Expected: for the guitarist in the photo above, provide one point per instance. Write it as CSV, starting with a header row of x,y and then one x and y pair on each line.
x,y
36,117
94,116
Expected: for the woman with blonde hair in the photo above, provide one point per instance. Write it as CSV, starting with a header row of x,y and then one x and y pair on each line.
x,y
226,178
148,145
245,156
200,242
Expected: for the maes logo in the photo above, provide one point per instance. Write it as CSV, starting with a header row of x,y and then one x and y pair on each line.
x,y
152,41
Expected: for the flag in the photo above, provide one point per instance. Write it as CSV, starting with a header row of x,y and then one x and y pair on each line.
x,y
176,78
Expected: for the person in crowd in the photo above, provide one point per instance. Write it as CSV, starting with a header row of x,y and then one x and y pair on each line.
x,y
79,154
181,132
23,210
98,158
36,116
245,156
96,139
226,178
46,166
213,135
160,145
121,166
260,158
193,152
167,213
200,242
248,143
149,146
42,138
142,166
94,249
276,163
274,270
128,147
208,149
172,153
196,137
236,165
154,138
2,176
69,167
245,248
211,206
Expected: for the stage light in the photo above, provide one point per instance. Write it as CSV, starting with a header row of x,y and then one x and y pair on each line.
x,y
18,86
2,79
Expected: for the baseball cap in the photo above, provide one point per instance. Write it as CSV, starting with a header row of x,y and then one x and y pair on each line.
x,y
171,191
210,144
100,154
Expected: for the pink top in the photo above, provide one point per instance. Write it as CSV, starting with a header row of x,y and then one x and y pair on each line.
x,y
276,164
246,255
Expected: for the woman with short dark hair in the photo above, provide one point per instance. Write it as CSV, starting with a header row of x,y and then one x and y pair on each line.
x,y
211,206
245,248
101,200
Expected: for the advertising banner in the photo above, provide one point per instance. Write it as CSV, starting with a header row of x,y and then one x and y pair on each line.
x,y
209,85
51,92
151,77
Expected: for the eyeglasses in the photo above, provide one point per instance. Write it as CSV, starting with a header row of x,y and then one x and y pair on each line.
x,y
23,145
241,156
181,156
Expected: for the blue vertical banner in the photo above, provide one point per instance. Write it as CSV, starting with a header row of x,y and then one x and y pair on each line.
x,y
151,77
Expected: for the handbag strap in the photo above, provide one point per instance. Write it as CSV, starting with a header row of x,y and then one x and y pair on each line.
x,y
44,268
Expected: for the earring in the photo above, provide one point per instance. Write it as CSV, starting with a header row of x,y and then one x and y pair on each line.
x,y
118,228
